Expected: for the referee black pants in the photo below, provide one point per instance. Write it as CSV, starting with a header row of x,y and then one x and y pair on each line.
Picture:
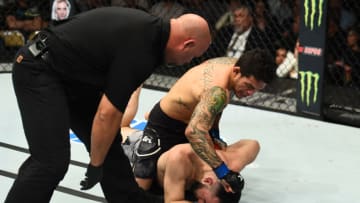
x,y
48,108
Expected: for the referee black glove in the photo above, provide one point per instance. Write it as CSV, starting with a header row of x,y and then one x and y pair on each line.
x,y
93,175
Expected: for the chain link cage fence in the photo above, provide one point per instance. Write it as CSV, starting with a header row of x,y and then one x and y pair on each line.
x,y
267,24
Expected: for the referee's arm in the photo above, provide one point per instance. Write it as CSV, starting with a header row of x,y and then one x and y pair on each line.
x,y
104,129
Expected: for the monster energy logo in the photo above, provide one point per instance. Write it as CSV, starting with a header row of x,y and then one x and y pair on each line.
x,y
308,81
311,11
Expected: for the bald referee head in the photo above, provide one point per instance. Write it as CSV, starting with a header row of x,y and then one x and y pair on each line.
x,y
189,38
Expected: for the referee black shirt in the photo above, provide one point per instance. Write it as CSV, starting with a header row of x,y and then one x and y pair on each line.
x,y
110,49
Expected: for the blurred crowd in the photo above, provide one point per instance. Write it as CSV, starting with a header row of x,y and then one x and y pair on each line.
x,y
237,26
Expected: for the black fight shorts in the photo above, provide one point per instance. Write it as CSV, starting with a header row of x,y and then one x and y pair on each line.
x,y
143,152
160,134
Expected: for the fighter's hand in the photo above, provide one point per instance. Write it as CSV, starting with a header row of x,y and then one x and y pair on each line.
x,y
234,180
229,178
93,175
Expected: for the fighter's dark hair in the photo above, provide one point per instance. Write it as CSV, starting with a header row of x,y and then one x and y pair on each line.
x,y
224,197
258,63
228,197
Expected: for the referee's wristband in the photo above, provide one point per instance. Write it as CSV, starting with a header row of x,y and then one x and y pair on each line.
x,y
221,170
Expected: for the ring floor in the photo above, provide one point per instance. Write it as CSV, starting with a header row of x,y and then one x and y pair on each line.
x,y
301,160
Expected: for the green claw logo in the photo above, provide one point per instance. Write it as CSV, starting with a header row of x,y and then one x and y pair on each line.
x,y
311,11
308,81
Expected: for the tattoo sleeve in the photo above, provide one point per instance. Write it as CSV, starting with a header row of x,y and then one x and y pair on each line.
x,y
210,106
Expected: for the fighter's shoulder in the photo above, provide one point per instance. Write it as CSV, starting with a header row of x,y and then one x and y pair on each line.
x,y
221,60
180,151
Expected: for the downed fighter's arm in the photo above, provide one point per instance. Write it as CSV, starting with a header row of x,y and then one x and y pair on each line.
x,y
211,104
104,129
131,108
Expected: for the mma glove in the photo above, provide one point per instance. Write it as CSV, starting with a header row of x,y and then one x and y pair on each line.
x,y
93,175
234,179
218,142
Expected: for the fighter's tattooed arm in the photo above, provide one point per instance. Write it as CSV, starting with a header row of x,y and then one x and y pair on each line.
x,y
210,106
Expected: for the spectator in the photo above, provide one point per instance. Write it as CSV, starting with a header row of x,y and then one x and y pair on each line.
x,y
345,17
281,9
353,41
287,62
24,18
85,5
335,41
290,31
138,4
60,10
167,9
336,44
261,20
2,49
241,36
209,9
350,63
227,19
264,21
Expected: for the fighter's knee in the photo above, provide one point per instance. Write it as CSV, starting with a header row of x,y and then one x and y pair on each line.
x,y
146,154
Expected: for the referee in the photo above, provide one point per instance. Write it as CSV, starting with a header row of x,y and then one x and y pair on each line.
x,y
80,75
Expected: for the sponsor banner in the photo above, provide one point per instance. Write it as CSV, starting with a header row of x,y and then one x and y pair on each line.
x,y
309,87
312,39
